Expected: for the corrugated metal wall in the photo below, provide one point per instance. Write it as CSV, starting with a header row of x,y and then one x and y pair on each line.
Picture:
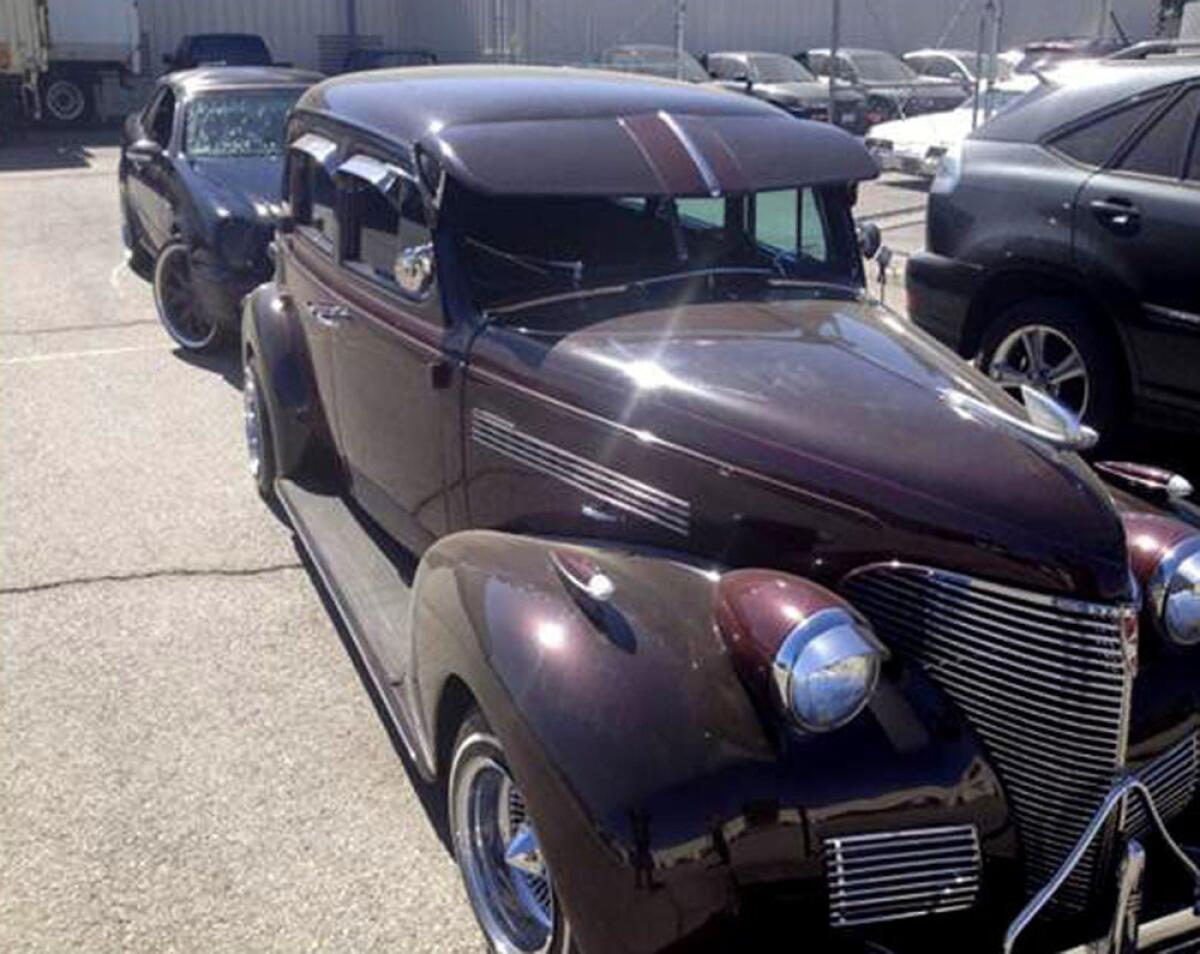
x,y
578,30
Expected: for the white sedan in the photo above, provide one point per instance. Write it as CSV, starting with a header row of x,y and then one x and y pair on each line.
x,y
916,145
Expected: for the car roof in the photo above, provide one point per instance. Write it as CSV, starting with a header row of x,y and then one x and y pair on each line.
x,y
1072,91
228,77
847,50
555,130
749,53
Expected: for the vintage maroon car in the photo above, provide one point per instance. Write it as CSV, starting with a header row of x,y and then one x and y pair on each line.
x,y
714,592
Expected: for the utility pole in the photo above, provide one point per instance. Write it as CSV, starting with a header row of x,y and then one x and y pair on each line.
x,y
835,40
997,7
680,26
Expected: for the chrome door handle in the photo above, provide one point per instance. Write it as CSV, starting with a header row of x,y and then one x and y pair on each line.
x,y
328,315
1120,213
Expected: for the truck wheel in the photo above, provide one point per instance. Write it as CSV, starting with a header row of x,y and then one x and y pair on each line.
x,y
67,99
1052,345
260,443
497,849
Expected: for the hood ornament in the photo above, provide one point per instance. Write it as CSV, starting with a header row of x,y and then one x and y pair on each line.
x,y
1048,421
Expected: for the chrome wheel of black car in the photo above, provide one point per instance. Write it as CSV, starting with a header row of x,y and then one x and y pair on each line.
x,y
498,851
1044,358
176,302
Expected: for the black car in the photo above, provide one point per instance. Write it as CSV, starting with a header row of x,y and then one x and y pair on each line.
x,y
892,88
376,58
1062,244
200,176
783,82
219,49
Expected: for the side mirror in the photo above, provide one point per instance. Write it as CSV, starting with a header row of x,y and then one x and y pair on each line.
x,y
870,239
143,150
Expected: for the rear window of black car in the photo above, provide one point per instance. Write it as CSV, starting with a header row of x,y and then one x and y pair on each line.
x,y
1096,140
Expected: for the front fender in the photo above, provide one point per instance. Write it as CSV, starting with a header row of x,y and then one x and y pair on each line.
x,y
272,334
662,787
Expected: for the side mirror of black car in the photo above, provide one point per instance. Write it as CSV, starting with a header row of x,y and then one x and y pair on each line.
x,y
143,150
870,239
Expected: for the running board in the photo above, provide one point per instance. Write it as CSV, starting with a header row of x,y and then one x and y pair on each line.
x,y
368,587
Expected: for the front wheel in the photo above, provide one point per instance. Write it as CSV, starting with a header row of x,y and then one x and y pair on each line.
x,y
179,308
498,852
1051,345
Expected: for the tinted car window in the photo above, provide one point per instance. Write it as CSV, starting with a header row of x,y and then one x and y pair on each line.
x,y
818,63
1161,150
378,231
230,49
231,124
314,200
163,119
1193,171
1095,142
773,68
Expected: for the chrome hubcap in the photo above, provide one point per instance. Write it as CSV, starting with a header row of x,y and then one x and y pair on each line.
x,y
251,421
498,848
1043,358
175,299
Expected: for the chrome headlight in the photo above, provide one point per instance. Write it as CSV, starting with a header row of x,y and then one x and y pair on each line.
x,y
1175,591
827,669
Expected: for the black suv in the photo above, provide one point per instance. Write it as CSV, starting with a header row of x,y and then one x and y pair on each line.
x,y
1062,243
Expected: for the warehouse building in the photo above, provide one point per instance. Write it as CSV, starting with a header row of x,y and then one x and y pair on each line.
x,y
315,33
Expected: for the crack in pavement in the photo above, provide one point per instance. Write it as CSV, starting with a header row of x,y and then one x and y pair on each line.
x,y
177,573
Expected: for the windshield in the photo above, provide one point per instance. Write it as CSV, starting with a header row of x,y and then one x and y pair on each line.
x,y
238,123
779,69
657,63
882,67
521,249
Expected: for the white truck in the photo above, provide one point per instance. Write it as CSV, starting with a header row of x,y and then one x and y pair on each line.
x,y
24,55
85,51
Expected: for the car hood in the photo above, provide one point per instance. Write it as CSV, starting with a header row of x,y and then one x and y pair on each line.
x,y
845,401
944,128
794,92
245,183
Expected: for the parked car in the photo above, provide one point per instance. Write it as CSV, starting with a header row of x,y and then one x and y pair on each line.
x,y
916,145
374,58
219,49
201,174
1045,54
892,88
961,66
783,82
652,59
732,588
1060,244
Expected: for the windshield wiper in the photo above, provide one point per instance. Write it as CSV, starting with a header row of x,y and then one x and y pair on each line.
x,y
540,266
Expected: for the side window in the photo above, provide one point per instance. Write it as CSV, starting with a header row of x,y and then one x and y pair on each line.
x,y
701,213
1094,143
791,221
163,119
386,231
1162,149
1193,171
941,66
314,199
922,64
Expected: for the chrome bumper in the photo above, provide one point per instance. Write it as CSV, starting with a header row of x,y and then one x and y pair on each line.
x,y
1125,933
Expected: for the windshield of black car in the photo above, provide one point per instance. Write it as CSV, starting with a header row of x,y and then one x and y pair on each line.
x,y
882,68
518,249
237,123
779,69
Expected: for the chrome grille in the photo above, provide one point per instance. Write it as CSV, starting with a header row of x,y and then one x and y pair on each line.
x,y
892,875
611,486
1173,779
1043,681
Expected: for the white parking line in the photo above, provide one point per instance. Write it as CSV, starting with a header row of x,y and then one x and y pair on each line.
x,y
73,355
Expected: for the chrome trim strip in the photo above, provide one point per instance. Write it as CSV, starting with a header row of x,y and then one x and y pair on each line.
x,y
317,147
706,172
633,496
1173,315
